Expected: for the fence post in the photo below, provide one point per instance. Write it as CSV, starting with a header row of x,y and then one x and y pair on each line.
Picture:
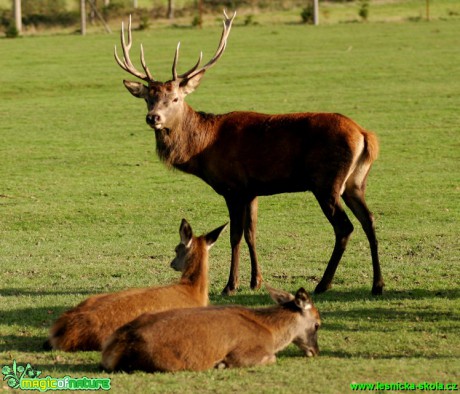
x,y
316,12
83,16
17,15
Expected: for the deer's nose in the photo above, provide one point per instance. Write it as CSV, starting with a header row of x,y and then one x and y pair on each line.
x,y
153,119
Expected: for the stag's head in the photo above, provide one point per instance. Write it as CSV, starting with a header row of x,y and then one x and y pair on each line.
x,y
166,99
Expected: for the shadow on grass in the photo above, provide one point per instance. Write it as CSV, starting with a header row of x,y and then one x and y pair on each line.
x,y
390,320
73,370
22,343
261,297
363,294
387,356
10,292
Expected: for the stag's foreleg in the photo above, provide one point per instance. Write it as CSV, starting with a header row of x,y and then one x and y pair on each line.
x,y
236,210
250,226
243,220
343,228
354,198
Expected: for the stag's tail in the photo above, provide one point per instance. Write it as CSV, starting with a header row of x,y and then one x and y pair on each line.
x,y
371,147
357,177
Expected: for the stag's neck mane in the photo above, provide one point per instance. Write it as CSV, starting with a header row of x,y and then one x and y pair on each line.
x,y
194,131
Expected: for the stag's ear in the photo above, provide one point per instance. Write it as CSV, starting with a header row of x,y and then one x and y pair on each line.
x,y
279,296
188,85
186,233
137,89
303,300
212,236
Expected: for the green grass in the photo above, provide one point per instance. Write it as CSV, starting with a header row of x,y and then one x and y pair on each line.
x,y
86,207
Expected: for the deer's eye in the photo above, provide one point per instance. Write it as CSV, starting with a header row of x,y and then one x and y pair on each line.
x,y
176,100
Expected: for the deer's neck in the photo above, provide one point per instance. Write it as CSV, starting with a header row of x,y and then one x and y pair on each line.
x,y
196,276
281,322
192,132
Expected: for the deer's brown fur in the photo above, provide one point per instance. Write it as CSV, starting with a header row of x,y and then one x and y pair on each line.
x,y
217,336
243,155
90,323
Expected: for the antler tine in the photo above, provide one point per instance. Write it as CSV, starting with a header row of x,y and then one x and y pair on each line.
x,y
176,59
220,50
144,66
200,58
126,64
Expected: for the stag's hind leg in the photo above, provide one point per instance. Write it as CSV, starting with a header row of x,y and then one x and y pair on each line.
x,y
342,228
354,198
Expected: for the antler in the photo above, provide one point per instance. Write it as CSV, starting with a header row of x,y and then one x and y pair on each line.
x,y
126,64
220,50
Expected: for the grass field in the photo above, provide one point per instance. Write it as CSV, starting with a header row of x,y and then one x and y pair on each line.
x,y
86,207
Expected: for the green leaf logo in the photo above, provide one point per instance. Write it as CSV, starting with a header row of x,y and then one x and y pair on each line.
x,y
14,374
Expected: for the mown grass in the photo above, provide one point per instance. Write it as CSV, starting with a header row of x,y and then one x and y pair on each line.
x,y
86,207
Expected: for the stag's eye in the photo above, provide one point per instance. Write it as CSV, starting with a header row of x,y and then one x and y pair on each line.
x,y
176,100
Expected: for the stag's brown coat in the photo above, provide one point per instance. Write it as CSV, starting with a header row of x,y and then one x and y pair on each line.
x,y
242,155
217,336
90,323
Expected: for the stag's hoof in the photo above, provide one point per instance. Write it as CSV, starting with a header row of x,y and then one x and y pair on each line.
x,y
321,288
229,291
378,289
256,283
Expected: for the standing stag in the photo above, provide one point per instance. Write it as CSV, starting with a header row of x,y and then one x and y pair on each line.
x,y
242,155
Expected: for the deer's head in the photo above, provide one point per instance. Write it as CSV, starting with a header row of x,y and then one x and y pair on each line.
x,y
309,321
165,100
191,249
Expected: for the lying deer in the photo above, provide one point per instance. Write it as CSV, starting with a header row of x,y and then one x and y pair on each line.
x,y
242,155
90,323
197,339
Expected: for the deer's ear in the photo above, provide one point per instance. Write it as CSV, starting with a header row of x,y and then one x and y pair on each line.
x,y
212,236
186,233
303,300
189,85
137,89
279,296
